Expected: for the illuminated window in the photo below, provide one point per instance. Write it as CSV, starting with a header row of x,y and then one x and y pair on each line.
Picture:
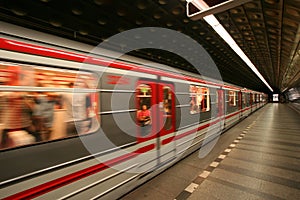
x,y
167,104
261,98
257,98
199,99
244,99
144,95
47,103
143,115
232,98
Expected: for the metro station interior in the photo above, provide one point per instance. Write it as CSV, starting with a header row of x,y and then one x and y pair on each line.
x,y
240,123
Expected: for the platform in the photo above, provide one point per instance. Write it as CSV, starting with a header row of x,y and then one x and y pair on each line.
x,y
256,159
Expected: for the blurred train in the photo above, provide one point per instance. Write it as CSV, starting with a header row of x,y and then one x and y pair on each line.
x,y
110,151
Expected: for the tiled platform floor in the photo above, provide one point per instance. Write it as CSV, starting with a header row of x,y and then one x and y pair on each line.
x,y
257,159
265,163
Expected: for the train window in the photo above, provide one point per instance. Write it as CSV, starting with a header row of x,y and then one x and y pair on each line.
x,y
199,99
257,98
232,98
260,98
263,98
144,97
244,99
41,98
167,104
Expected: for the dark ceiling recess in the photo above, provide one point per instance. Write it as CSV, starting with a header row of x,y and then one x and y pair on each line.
x,y
266,30
212,3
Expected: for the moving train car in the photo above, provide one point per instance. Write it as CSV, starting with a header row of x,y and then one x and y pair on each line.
x,y
79,125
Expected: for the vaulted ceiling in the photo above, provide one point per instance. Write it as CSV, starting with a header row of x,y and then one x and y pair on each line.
x,y
268,31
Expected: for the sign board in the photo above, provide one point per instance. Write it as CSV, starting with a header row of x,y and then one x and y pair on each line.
x,y
197,9
275,97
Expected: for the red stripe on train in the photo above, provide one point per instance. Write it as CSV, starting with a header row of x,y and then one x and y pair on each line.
x,y
53,53
245,109
177,137
57,183
202,127
229,116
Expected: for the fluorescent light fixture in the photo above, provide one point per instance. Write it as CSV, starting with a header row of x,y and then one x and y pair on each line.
x,y
215,24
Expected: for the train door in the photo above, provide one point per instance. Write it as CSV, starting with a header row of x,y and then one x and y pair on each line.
x,y
221,108
166,122
251,102
156,117
146,112
240,103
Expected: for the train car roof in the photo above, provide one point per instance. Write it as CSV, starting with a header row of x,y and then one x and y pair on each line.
x,y
10,31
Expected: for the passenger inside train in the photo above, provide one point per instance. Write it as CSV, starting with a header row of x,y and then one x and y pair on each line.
x,y
39,99
144,119
199,99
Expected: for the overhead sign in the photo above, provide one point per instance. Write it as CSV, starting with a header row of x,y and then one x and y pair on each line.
x,y
197,9
275,97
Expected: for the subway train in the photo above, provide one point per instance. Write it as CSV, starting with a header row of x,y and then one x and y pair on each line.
x,y
79,125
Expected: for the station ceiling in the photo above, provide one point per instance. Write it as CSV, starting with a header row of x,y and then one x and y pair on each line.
x,y
268,31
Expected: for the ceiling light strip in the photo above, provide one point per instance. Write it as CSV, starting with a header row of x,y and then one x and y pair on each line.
x,y
215,24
